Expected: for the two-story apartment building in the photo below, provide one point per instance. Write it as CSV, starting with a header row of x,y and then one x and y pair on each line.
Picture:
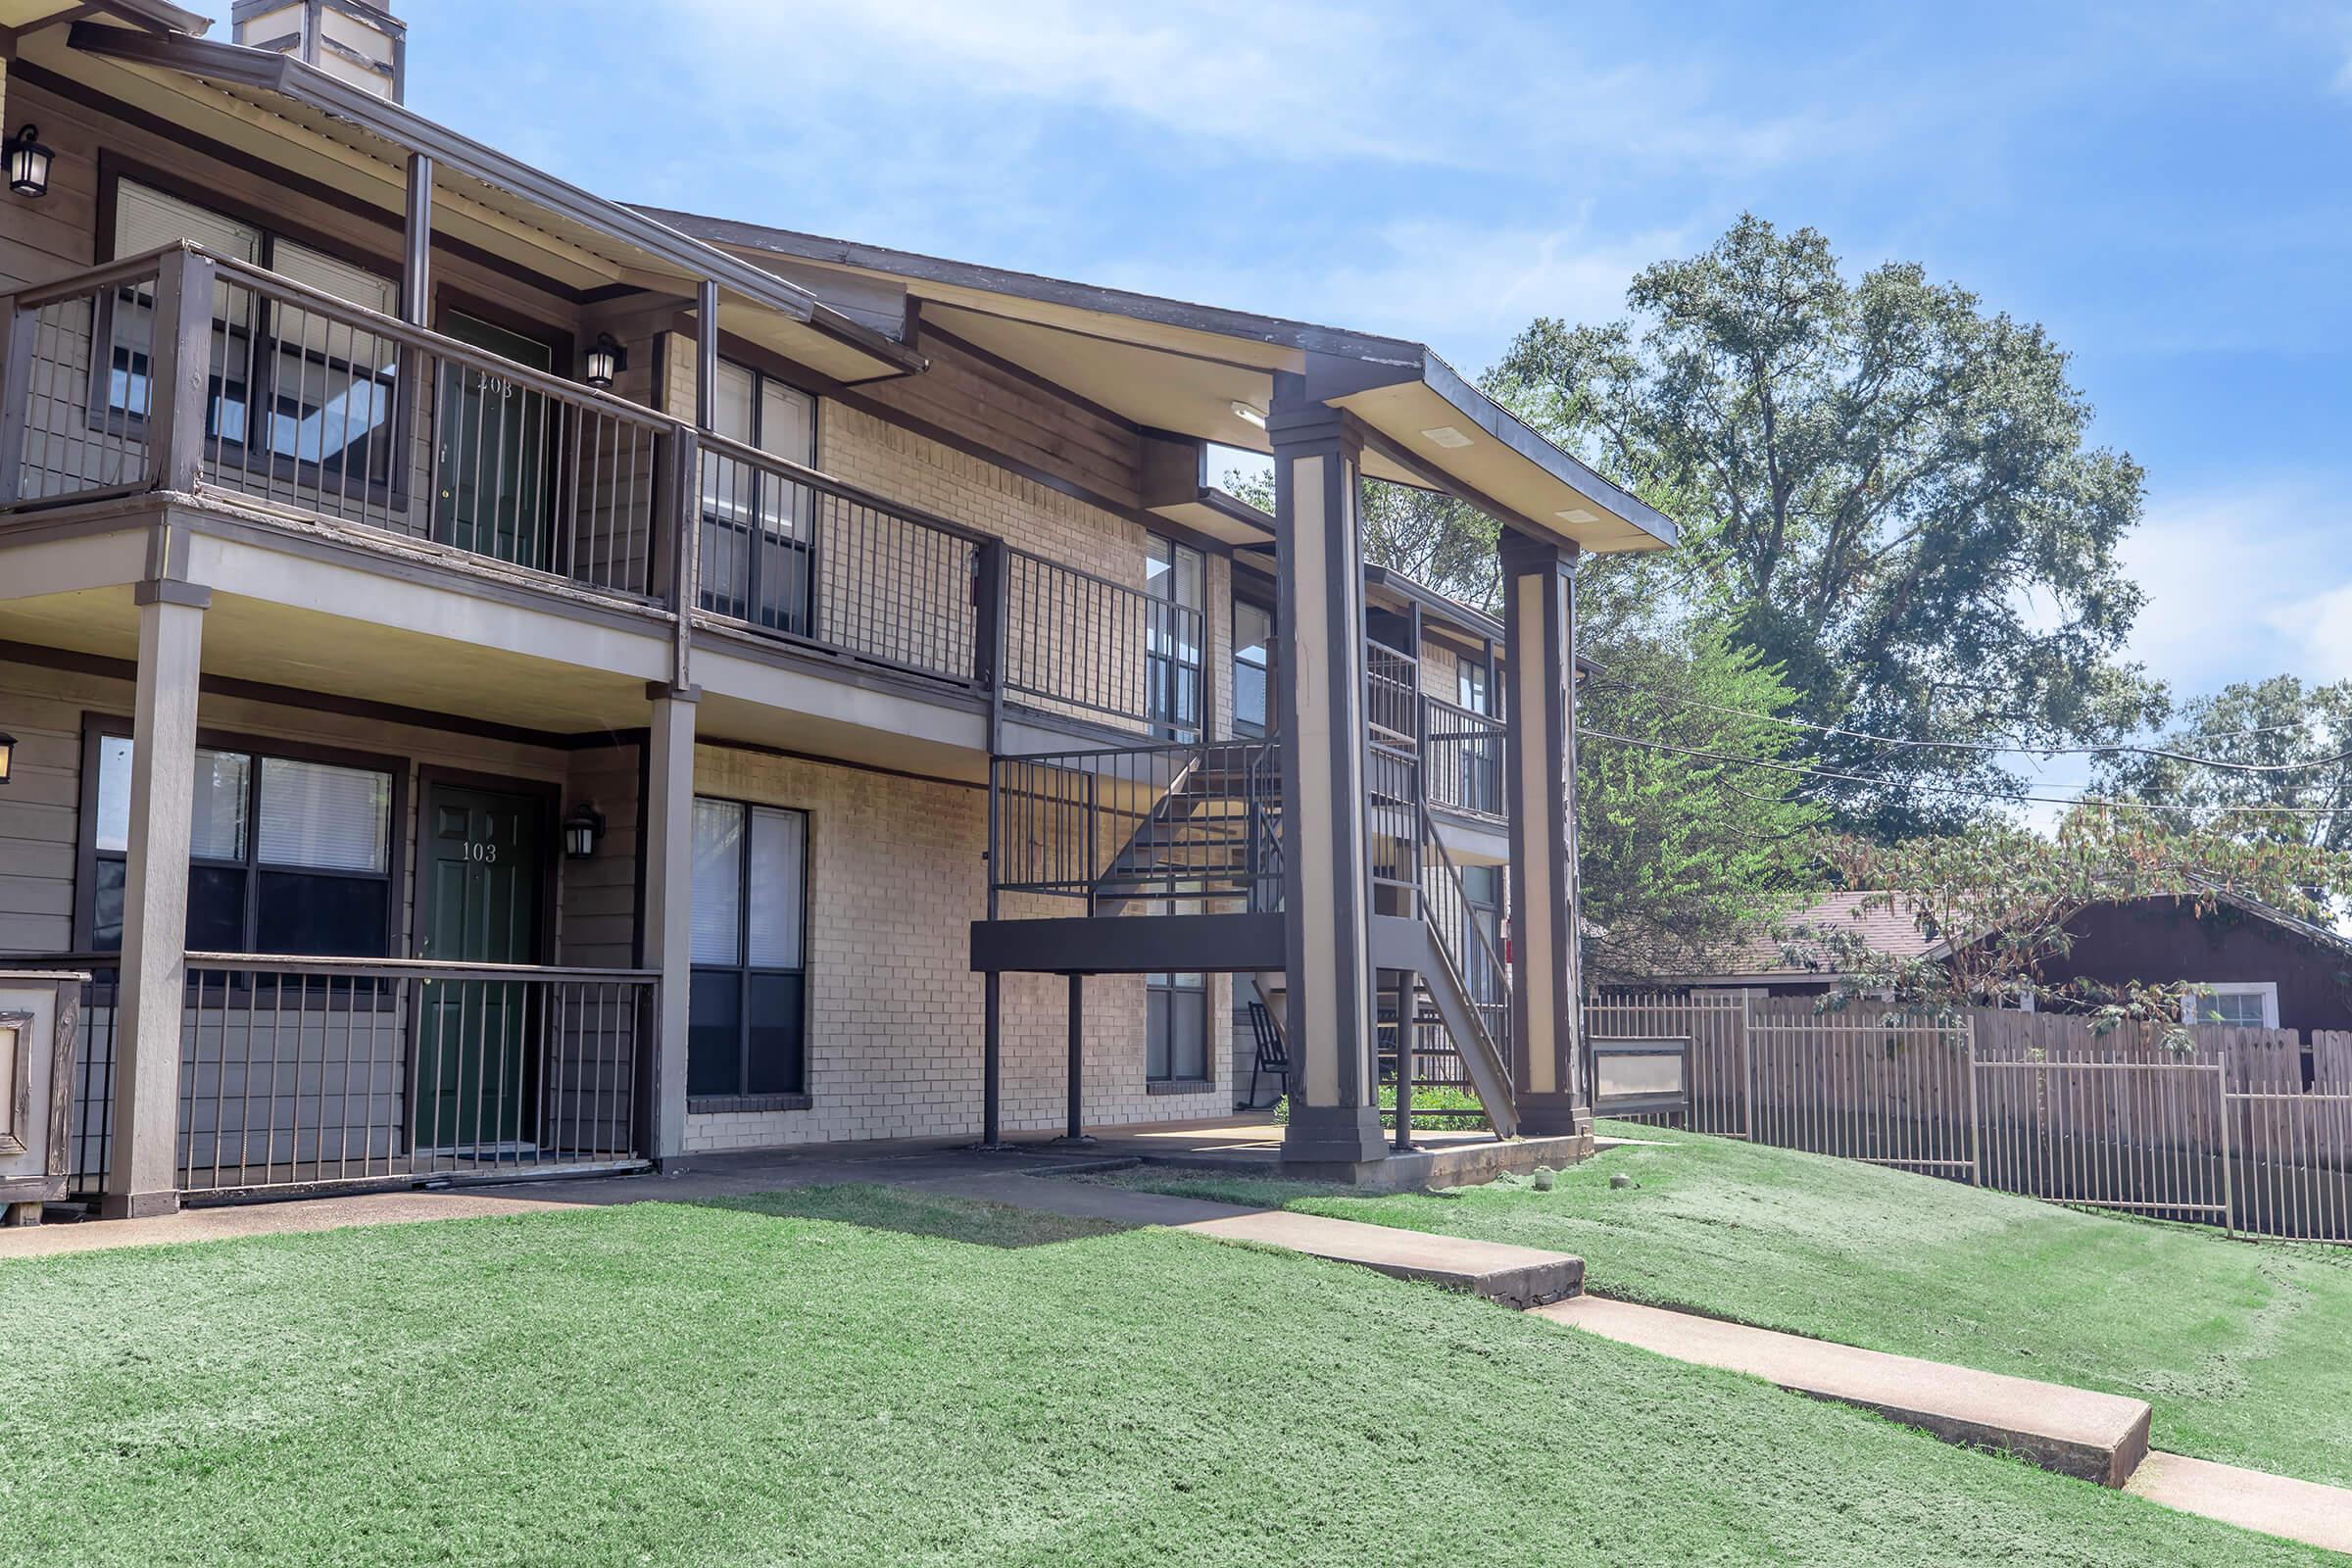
x,y
497,680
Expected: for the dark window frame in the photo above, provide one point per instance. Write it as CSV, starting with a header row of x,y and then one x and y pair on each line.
x,y
745,972
260,363
752,524
1244,728
1164,686
97,729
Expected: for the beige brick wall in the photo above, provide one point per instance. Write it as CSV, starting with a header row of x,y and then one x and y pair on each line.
x,y
893,1007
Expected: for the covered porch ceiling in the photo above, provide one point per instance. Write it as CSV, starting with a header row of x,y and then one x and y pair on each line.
x,y
1206,373
277,109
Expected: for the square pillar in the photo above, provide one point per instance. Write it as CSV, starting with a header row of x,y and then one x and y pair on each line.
x,y
668,934
142,1175
1327,903
1547,1056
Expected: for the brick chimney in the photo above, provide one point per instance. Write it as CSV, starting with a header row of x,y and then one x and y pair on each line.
x,y
358,42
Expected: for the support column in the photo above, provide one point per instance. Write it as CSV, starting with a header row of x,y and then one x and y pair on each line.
x,y
416,249
1328,1007
668,933
1074,1120
1549,1063
142,1171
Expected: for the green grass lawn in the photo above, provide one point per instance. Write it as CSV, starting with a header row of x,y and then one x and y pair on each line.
x,y
2244,1348
862,1376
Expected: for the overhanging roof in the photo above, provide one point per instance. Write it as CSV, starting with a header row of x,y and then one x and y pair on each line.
x,y
1173,365
302,118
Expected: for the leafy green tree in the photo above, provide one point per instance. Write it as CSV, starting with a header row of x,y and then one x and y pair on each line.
x,y
1998,902
1688,835
2292,746
1884,490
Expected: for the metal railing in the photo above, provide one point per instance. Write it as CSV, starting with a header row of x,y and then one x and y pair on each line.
x,y
1185,825
1462,758
330,408
1391,693
1463,937
299,1072
314,405
1085,645
789,552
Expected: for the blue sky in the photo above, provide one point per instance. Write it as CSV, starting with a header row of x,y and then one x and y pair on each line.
x,y
2165,188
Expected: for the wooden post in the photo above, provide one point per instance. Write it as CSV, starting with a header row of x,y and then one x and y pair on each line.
x,y
141,1177
15,397
1074,1129
668,934
181,378
1327,888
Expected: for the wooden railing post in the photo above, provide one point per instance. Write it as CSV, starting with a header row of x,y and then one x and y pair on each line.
x,y
679,507
180,375
991,610
16,396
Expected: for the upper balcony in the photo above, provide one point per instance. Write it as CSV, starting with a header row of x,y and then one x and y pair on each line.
x,y
209,379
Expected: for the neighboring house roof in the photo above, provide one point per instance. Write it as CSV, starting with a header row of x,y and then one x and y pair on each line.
x,y
1757,956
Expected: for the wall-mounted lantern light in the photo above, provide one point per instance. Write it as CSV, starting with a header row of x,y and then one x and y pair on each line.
x,y
29,163
8,755
605,361
581,829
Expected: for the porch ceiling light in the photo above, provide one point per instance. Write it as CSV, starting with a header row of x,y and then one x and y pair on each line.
x,y
605,361
1446,435
1249,414
29,163
581,829
8,755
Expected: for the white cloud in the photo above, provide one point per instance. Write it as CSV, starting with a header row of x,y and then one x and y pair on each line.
x,y
1270,79
2229,578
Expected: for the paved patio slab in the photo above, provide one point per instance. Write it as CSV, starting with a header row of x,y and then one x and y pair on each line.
x,y
2252,1499
2096,1437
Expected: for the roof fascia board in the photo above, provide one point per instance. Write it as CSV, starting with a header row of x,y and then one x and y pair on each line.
x,y
1473,621
1209,319
268,72
1507,428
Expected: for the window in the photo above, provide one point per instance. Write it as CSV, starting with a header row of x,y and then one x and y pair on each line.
x,y
1472,688
1176,1028
284,856
2245,1003
1173,578
1253,711
756,526
285,384
1481,890
744,1034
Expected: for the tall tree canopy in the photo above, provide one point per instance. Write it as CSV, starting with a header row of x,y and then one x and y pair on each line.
x,y
1688,835
1882,490
2291,750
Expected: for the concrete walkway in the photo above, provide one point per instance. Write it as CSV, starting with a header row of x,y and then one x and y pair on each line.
x,y
2252,1499
1519,1277
2096,1437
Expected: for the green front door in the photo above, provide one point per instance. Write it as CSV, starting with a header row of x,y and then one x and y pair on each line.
x,y
477,1072
491,489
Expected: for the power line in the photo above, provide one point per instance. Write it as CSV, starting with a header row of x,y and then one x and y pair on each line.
x,y
1805,771
1998,747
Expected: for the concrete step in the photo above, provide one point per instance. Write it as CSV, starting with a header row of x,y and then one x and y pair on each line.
x,y
2096,1437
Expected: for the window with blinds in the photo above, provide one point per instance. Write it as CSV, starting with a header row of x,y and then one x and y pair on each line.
x,y
285,854
744,1034
326,389
757,526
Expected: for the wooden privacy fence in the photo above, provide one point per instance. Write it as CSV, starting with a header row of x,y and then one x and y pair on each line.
x,y
2251,1129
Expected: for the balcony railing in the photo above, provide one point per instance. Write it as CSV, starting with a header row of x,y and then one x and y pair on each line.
x,y
1462,758
309,404
1138,828
296,1072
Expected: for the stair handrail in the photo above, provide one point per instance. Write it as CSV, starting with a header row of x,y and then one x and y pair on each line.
x,y
1453,948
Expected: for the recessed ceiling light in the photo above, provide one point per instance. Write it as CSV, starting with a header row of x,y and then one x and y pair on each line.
x,y
1577,515
1446,435
1249,414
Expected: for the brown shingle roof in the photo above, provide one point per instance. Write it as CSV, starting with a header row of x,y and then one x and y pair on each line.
x,y
1758,954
